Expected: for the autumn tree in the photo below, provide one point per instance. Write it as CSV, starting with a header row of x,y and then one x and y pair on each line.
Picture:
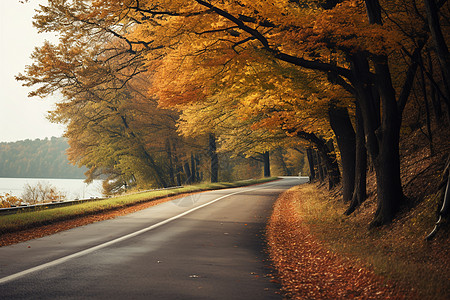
x,y
362,37
352,44
114,128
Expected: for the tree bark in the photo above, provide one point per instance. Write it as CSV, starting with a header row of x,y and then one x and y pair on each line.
x,y
359,192
345,137
312,172
151,162
170,159
178,168
427,109
329,4
266,159
373,11
179,172
193,169
197,171
187,171
319,166
439,41
437,108
389,189
212,149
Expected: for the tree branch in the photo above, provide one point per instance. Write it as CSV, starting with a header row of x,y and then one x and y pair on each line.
x,y
410,75
309,64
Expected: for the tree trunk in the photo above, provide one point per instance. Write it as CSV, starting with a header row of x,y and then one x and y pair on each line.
x,y
197,171
389,189
345,137
319,166
187,171
266,160
382,133
439,41
286,170
325,153
214,158
193,169
312,172
373,11
178,168
382,138
151,162
437,108
387,162
444,200
442,51
179,172
359,192
170,159
330,145
427,109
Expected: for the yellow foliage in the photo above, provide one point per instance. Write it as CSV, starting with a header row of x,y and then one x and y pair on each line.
x,y
8,200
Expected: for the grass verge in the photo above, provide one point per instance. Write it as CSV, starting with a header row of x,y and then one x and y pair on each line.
x,y
43,216
397,252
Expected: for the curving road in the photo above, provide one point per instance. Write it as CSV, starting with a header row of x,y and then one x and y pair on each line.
x,y
204,246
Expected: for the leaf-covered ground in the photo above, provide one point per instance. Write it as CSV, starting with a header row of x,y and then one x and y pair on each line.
x,y
308,270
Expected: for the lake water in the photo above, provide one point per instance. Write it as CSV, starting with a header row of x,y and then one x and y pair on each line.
x,y
72,188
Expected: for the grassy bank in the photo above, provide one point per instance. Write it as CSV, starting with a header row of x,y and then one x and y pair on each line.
x,y
25,220
397,252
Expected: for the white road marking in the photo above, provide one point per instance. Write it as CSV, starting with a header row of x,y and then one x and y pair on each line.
x,y
117,240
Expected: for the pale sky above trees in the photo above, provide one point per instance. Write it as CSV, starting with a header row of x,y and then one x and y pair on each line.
x,y
21,117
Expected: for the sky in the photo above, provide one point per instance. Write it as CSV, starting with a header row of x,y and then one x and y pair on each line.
x,y
21,117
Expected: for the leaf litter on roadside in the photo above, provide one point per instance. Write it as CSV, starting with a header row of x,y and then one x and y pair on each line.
x,y
306,269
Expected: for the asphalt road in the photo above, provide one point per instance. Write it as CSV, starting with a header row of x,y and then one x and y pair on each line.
x,y
204,246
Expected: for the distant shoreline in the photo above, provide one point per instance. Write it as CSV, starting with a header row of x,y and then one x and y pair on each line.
x,y
73,187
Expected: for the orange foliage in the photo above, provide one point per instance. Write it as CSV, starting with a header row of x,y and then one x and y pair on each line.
x,y
8,200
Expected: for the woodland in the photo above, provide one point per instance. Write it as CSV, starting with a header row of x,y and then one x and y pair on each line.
x,y
155,93
37,158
